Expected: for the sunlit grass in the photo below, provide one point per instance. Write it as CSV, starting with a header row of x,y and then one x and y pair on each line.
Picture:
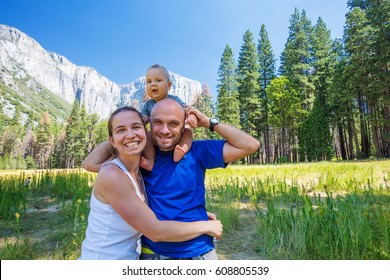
x,y
328,210
53,203
308,211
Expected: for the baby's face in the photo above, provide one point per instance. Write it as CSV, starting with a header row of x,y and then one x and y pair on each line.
x,y
157,84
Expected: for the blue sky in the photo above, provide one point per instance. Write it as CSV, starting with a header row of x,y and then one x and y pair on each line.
x,y
121,38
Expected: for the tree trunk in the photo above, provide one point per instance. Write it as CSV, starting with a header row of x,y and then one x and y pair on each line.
x,y
350,138
375,134
275,153
266,142
386,125
283,145
364,140
342,141
356,139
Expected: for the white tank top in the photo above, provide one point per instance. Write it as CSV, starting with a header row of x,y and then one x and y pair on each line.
x,y
108,235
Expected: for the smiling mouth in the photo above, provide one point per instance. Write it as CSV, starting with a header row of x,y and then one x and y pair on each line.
x,y
164,139
132,144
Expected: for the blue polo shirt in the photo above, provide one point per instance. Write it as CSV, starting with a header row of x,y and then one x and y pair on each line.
x,y
176,191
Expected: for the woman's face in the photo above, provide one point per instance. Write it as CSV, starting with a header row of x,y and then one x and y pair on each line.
x,y
128,133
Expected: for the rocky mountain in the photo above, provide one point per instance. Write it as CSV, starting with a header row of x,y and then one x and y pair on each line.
x,y
34,76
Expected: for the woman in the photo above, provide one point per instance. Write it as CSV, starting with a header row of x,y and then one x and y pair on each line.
x,y
118,212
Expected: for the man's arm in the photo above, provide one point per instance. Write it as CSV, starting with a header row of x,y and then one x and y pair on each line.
x,y
102,153
239,143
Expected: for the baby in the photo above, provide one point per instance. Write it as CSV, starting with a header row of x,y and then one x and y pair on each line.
x,y
158,84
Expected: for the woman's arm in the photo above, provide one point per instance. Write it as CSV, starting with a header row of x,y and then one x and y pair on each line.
x,y
117,190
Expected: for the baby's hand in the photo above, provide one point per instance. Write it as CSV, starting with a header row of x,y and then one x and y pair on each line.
x,y
192,121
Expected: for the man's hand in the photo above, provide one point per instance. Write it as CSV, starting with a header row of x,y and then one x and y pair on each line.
x,y
238,143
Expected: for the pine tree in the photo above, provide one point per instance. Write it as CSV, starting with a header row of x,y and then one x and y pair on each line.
x,y
323,62
59,156
315,138
12,133
3,119
341,104
248,87
99,134
359,42
17,118
204,102
44,141
379,17
377,13
284,110
296,64
228,107
29,143
86,122
316,141
267,73
92,129
296,57
72,135
9,140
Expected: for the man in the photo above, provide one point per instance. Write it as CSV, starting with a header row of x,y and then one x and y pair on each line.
x,y
176,191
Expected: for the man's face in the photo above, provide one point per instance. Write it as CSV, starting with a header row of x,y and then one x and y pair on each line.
x,y
167,124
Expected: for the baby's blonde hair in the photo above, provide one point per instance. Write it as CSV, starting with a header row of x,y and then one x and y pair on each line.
x,y
158,66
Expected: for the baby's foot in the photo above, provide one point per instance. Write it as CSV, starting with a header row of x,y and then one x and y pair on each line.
x,y
178,153
146,163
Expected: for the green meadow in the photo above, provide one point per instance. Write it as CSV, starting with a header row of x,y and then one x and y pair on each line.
x,y
308,211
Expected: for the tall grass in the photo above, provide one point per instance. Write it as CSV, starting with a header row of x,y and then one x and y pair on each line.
x,y
65,191
13,196
345,227
298,211
308,211
60,185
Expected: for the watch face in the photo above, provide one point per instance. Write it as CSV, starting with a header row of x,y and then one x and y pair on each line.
x,y
214,120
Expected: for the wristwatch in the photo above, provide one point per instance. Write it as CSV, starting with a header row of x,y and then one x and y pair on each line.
x,y
213,122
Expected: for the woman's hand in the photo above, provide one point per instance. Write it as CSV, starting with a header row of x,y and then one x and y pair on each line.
x,y
211,216
215,228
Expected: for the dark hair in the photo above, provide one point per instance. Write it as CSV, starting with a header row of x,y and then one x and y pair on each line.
x,y
158,66
119,110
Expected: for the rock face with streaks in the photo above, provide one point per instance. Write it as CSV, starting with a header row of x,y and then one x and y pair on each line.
x,y
23,59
